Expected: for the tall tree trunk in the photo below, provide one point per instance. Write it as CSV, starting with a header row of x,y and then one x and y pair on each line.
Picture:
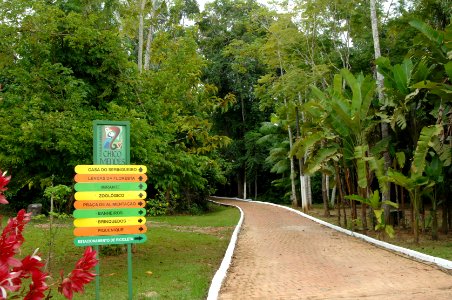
x,y
301,160
326,210
141,35
255,186
147,54
292,167
239,186
380,82
289,130
444,225
244,184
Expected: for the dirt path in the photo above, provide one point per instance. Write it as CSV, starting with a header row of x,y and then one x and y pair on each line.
x,y
281,255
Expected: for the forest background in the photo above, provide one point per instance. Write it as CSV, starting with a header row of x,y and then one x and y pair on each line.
x,y
279,104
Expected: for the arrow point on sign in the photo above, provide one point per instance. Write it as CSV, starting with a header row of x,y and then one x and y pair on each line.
x,y
140,178
140,203
140,186
140,212
140,220
141,229
140,169
141,195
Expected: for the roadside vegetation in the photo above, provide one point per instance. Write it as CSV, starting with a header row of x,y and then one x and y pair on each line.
x,y
351,99
178,260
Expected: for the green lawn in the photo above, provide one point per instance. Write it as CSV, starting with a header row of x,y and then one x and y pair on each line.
x,y
178,261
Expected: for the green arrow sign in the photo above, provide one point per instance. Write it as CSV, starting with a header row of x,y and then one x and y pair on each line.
x,y
109,213
110,240
110,186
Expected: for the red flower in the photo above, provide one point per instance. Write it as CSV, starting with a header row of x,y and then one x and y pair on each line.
x,y
38,285
4,180
12,238
7,279
80,276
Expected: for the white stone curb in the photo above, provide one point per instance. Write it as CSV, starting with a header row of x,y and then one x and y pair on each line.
x,y
221,273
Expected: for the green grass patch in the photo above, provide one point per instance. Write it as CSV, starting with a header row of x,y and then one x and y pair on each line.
x,y
178,261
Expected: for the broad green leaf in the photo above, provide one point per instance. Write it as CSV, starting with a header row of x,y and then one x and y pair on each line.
x,y
390,203
448,68
400,157
402,75
361,164
355,85
390,230
423,145
379,215
321,156
400,179
375,200
429,32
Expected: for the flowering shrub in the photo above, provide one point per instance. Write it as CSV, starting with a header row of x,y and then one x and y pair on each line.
x,y
4,180
13,271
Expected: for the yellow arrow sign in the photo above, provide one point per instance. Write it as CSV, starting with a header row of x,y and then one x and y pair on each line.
x,y
109,222
119,195
110,169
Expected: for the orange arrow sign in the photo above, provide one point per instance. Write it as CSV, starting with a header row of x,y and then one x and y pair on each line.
x,y
92,231
110,177
106,204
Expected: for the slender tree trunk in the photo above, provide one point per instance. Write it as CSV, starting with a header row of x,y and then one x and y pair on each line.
x,y
301,160
434,217
380,82
255,187
292,167
239,186
147,54
333,196
244,184
326,210
141,35
341,195
289,130
444,225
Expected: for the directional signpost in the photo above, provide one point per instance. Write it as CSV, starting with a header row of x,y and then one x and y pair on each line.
x,y
110,195
110,204
110,240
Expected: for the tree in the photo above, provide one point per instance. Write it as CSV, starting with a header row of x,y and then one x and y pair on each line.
x,y
231,33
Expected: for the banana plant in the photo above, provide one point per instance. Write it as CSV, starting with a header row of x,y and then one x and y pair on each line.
x,y
377,207
416,181
343,120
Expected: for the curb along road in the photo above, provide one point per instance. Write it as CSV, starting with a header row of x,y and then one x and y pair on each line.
x,y
282,256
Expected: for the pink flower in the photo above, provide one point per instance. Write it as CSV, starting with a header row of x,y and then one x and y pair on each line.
x,y
4,180
80,276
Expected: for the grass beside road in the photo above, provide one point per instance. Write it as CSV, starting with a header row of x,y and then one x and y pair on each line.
x,y
178,260
403,236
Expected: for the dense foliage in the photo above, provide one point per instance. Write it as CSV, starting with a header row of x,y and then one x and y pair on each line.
x,y
271,103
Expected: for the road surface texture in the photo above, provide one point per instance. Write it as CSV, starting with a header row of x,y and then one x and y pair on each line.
x,y
281,255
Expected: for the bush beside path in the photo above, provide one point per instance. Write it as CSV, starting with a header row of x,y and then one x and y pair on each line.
x,y
281,255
